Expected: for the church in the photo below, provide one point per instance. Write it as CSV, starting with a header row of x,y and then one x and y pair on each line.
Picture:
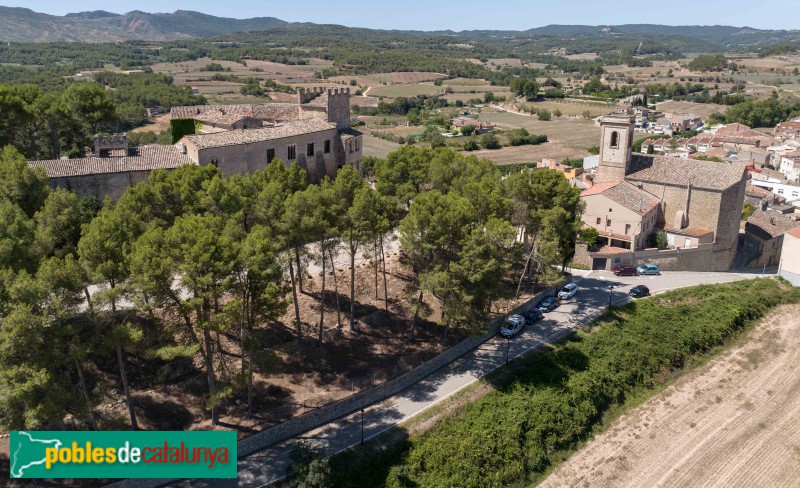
x,y
694,205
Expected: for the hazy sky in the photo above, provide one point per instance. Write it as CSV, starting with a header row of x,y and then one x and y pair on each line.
x,y
464,14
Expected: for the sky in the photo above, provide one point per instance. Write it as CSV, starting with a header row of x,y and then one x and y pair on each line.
x,y
464,14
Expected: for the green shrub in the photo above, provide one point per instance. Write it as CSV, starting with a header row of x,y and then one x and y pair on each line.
x,y
552,399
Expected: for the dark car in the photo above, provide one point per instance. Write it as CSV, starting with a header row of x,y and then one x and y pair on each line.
x,y
639,291
548,304
532,315
624,270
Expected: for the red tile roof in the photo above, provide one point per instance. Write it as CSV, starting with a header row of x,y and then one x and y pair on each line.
x,y
599,188
794,232
611,250
692,231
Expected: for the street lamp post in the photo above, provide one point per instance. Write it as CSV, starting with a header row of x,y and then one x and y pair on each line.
x,y
610,294
362,426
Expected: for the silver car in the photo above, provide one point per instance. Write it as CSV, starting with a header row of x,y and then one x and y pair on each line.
x,y
568,291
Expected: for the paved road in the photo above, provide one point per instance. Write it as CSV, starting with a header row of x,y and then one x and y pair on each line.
x,y
269,465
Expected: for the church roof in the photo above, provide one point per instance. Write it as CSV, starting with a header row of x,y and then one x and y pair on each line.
x,y
145,158
708,175
624,194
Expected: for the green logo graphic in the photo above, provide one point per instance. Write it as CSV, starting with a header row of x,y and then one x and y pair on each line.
x,y
194,454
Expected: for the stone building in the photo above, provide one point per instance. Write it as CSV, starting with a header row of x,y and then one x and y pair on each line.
x,y
698,205
764,235
315,132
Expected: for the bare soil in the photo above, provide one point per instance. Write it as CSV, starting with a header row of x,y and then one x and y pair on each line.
x,y
730,423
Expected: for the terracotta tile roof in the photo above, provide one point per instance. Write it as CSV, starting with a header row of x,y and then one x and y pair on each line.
x,y
794,232
756,191
219,117
676,171
599,188
144,158
692,231
611,250
249,136
266,111
631,197
768,225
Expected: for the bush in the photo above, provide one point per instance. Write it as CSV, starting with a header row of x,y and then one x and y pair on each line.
x,y
438,141
489,141
544,114
471,145
551,400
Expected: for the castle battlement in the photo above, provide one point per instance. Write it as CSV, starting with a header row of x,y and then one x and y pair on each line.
x,y
103,143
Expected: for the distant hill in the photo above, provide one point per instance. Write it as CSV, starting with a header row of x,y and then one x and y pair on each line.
x,y
722,36
25,25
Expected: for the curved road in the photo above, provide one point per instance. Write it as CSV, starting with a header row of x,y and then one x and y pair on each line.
x,y
269,465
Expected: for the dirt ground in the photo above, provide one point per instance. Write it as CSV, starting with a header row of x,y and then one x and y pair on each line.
x,y
730,423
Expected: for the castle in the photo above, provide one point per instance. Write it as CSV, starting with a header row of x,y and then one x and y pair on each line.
x,y
697,205
315,132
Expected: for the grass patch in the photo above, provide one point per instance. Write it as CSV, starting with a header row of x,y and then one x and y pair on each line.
x,y
551,402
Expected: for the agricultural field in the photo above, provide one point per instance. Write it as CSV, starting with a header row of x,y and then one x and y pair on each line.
x,y
527,153
730,423
572,107
701,109
568,132
398,78
395,91
373,146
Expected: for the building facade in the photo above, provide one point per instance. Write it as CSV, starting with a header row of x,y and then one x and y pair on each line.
x,y
697,204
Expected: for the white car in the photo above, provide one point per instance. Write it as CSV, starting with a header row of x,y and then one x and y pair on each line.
x,y
512,326
568,291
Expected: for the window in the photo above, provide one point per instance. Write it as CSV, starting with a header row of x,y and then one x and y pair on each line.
x,y
270,155
608,222
615,139
598,220
627,229
310,149
327,146
780,192
610,210
356,144
292,152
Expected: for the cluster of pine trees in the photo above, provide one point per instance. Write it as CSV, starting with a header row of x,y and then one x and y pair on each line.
x,y
192,255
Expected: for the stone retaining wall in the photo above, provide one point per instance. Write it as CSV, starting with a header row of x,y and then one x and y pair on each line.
x,y
342,408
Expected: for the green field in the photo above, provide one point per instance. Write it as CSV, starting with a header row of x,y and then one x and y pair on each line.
x,y
572,133
406,90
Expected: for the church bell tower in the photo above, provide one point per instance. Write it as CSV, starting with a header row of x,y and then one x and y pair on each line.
x,y
615,147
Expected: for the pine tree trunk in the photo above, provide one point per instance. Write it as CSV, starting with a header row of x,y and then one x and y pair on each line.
x,y
352,289
296,305
376,267
85,391
250,381
299,269
212,383
411,332
124,375
322,298
89,301
336,292
385,284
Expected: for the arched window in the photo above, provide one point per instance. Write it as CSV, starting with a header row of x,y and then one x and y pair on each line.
x,y
615,139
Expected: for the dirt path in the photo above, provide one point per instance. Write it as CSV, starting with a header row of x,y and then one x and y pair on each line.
x,y
731,423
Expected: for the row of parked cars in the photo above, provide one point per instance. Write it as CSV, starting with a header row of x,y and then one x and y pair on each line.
x,y
631,270
515,323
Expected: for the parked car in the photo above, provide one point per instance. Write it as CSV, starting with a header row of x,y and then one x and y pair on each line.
x,y
532,316
648,269
512,326
639,291
569,291
624,270
548,304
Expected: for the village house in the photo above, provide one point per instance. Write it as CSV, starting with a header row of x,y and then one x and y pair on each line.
x,y
696,204
788,130
480,127
315,133
763,237
789,166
